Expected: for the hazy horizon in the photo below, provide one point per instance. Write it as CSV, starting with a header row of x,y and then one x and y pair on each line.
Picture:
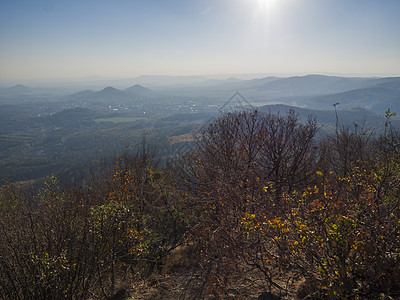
x,y
70,40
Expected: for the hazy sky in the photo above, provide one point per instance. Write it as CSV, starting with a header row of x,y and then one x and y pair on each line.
x,y
77,38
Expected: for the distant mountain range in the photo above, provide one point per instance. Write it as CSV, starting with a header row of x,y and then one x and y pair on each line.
x,y
316,85
378,97
312,91
316,91
360,117
110,93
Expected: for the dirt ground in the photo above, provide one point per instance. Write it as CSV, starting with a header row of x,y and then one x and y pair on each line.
x,y
182,278
188,285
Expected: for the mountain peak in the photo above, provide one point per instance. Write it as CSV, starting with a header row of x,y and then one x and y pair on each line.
x,y
18,89
138,90
109,89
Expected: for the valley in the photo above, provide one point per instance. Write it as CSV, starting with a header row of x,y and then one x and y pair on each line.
x,y
51,130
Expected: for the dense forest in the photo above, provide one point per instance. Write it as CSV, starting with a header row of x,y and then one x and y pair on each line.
x,y
259,203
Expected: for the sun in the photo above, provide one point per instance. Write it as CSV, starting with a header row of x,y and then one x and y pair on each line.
x,y
265,6
265,15
264,9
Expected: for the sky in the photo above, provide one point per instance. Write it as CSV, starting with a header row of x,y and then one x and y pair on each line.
x,y
128,38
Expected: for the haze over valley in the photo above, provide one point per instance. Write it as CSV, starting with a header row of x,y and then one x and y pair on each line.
x,y
47,129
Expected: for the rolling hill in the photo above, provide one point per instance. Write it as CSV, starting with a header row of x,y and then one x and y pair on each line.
x,y
377,98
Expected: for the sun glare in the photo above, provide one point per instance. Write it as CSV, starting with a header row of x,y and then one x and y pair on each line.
x,y
264,10
265,6
264,13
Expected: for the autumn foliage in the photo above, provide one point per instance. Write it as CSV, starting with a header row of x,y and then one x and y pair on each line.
x,y
88,241
259,197
275,201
